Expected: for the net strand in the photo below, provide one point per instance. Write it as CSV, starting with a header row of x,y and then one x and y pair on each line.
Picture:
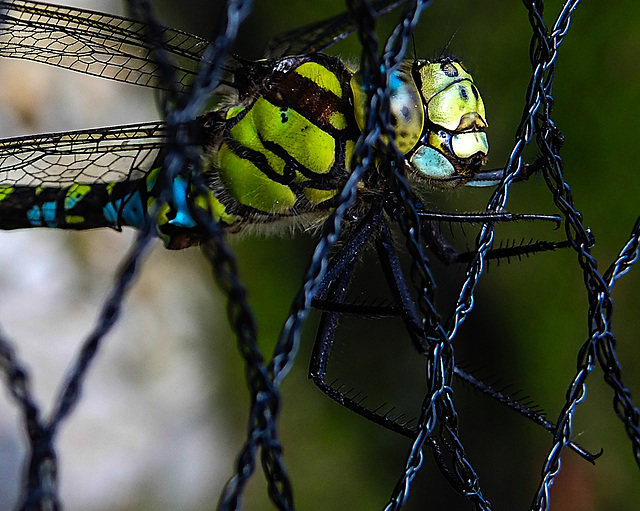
x,y
264,395
600,347
438,408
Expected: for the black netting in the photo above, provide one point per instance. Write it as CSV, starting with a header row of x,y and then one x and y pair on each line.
x,y
437,429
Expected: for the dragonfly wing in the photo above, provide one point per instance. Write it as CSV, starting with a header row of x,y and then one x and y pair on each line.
x,y
93,43
101,155
319,36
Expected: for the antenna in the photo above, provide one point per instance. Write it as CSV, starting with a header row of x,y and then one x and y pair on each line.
x,y
445,50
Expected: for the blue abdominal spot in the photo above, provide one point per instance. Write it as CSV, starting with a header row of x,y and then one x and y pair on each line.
x,y
43,216
131,214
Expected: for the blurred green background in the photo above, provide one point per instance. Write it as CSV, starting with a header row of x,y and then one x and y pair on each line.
x,y
530,317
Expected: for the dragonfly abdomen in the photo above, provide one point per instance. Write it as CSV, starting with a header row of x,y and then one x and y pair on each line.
x,y
116,204
79,206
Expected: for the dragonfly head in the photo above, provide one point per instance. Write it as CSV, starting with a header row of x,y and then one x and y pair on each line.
x,y
439,121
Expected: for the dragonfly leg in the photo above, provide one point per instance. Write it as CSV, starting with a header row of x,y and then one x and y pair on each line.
x,y
333,306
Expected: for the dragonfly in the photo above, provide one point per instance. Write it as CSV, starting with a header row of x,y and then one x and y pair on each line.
x,y
276,150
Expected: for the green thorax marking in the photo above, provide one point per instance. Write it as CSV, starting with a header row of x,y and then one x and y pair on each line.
x,y
280,146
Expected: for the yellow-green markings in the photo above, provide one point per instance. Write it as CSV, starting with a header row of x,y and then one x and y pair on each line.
x,y
74,195
338,120
298,136
318,196
5,191
321,76
295,134
210,203
234,111
250,186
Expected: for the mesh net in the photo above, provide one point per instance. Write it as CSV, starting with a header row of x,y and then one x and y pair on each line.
x,y
265,372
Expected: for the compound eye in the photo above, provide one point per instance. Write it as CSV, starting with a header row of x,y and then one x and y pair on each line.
x,y
459,107
407,111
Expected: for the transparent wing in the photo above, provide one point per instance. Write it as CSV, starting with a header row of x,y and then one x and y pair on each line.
x,y
103,155
93,43
319,36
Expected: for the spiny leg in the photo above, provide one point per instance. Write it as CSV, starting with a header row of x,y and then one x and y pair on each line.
x,y
395,279
338,279
332,304
336,284
447,253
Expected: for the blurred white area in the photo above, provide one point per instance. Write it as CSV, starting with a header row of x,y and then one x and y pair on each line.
x,y
143,436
